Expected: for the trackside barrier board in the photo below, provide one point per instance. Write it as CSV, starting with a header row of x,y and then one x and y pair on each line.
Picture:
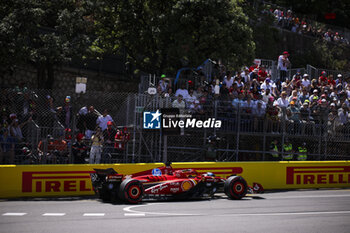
x,y
74,180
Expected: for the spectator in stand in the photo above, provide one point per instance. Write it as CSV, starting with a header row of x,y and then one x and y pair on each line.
x,y
228,80
81,119
282,102
16,129
339,79
314,86
262,74
314,96
283,65
179,103
108,138
254,75
79,150
182,91
164,84
191,97
305,82
266,96
296,80
331,81
199,92
238,80
245,75
343,114
7,147
258,113
196,109
67,112
238,102
267,84
103,120
90,120
322,80
303,96
96,146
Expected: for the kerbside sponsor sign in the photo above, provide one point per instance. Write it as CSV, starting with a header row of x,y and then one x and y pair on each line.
x,y
318,175
170,120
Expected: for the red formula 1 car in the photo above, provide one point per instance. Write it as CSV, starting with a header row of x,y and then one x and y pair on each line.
x,y
167,183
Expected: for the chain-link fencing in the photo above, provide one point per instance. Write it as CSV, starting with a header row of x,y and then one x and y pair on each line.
x,y
40,127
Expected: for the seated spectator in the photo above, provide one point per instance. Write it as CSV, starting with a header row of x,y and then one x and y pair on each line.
x,y
314,96
179,103
199,92
245,75
303,96
322,80
331,80
282,102
305,82
191,98
182,91
196,109
238,102
266,96
228,80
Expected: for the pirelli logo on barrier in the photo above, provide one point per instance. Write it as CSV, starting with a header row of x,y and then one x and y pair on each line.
x,y
318,175
56,181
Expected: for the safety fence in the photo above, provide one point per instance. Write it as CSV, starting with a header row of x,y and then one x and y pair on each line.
x,y
45,128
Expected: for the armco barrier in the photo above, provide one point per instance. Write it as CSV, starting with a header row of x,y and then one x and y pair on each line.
x,y
74,180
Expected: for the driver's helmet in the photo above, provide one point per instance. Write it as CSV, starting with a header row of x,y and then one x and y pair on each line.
x,y
209,174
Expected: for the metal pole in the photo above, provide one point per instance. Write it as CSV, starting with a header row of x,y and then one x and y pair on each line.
x,y
238,129
165,151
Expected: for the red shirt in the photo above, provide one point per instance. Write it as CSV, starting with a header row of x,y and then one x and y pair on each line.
x,y
331,82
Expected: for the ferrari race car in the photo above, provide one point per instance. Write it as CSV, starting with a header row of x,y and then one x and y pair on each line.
x,y
167,183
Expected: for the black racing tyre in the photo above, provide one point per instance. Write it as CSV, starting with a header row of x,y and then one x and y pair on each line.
x,y
235,187
131,191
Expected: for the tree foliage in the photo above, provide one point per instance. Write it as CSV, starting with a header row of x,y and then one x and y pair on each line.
x,y
43,33
162,36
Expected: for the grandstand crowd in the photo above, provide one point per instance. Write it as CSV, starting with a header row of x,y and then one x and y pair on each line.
x,y
302,104
288,20
301,100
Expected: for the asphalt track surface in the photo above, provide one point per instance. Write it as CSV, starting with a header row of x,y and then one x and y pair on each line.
x,y
293,211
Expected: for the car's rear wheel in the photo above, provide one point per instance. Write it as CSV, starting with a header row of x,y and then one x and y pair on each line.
x,y
235,187
131,191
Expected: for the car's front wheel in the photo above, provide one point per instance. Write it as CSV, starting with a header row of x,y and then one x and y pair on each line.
x,y
235,187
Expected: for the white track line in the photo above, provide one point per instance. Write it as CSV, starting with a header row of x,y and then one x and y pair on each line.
x,y
284,214
94,214
143,213
14,214
54,214
135,214
307,196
